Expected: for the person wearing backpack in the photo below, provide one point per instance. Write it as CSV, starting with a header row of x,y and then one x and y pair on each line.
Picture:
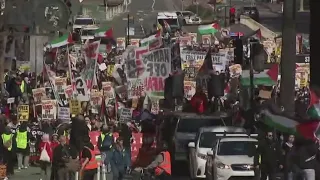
x,y
45,157
105,145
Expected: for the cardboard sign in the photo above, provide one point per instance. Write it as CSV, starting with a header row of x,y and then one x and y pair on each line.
x,y
23,112
121,43
64,113
49,109
158,68
190,73
194,37
10,100
135,88
60,84
189,89
126,115
39,94
81,93
184,41
134,42
134,65
108,90
75,106
235,70
206,40
155,108
68,91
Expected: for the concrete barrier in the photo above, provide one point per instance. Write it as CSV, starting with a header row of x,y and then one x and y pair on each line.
x,y
254,25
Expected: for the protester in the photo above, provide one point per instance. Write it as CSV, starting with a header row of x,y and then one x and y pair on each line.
x,y
105,145
7,149
270,154
23,148
55,141
45,157
288,164
89,163
120,161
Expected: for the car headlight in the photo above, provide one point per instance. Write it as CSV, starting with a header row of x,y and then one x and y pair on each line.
x,y
202,156
222,166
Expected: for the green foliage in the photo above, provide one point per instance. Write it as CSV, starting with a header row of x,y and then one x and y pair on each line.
x,y
204,13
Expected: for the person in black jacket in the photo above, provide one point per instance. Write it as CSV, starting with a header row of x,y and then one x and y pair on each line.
x,y
288,156
267,157
305,158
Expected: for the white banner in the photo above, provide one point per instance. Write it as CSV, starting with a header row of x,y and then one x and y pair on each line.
x,y
64,113
49,109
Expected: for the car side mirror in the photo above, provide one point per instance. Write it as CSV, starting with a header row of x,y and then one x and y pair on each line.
x,y
210,153
191,145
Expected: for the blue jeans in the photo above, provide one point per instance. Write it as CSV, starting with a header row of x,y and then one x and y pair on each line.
x,y
308,174
106,156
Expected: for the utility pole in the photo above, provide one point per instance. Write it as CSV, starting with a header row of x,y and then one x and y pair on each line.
x,y
288,57
128,30
314,41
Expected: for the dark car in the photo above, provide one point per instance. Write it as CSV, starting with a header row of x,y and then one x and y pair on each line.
x,y
250,11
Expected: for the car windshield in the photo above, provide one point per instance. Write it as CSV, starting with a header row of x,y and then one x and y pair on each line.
x,y
251,9
83,21
187,14
193,125
207,139
236,148
87,32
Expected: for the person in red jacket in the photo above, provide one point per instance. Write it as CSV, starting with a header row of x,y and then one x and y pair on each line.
x,y
199,101
45,147
55,142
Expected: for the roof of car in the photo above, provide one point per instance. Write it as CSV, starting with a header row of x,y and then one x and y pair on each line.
x,y
222,129
231,139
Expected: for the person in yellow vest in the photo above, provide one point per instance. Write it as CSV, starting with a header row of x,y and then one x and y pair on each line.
x,y
22,142
162,164
105,145
89,164
7,146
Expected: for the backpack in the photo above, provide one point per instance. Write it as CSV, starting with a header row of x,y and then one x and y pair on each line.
x,y
107,141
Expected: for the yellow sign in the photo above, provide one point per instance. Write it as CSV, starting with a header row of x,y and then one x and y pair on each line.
x,y
110,70
23,112
75,107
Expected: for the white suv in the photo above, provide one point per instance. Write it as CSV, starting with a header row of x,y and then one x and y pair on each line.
x,y
231,158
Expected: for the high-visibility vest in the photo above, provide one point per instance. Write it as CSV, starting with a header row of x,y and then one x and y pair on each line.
x,y
103,136
22,140
93,163
165,166
22,86
6,138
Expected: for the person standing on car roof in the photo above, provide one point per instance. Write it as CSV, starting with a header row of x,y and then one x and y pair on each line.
x,y
267,157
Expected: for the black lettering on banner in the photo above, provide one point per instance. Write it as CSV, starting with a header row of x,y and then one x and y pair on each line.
x,y
190,72
216,59
157,69
80,88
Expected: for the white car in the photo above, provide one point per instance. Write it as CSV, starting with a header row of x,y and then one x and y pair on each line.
x,y
204,142
84,22
231,157
189,17
193,20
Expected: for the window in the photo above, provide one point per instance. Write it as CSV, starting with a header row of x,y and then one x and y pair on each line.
x,y
236,148
207,140
87,33
193,125
84,21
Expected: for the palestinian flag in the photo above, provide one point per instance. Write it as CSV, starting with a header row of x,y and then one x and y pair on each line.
x,y
153,41
167,26
208,29
289,125
314,107
104,32
61,41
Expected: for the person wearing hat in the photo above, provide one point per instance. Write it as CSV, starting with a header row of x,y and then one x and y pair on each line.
x,y
120,161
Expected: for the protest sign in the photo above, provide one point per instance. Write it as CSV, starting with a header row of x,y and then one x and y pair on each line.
x,y
206,40
110,70
189,89
192,58
184,41
39,94
193,38
82,92
190,73
23,112
126,115
60,85
64,113
121,45
75,106
68,91
49,109
10,100
91,51
155,108
134,66
134,42
108,90
96,100
219,61
235,70
158,68
135,88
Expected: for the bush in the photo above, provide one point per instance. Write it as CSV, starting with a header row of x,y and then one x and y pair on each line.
x,y
204,13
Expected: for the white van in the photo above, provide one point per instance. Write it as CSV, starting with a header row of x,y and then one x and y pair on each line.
x,y
171,18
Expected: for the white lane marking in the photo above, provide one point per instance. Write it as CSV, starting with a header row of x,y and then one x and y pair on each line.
x,y
152,7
